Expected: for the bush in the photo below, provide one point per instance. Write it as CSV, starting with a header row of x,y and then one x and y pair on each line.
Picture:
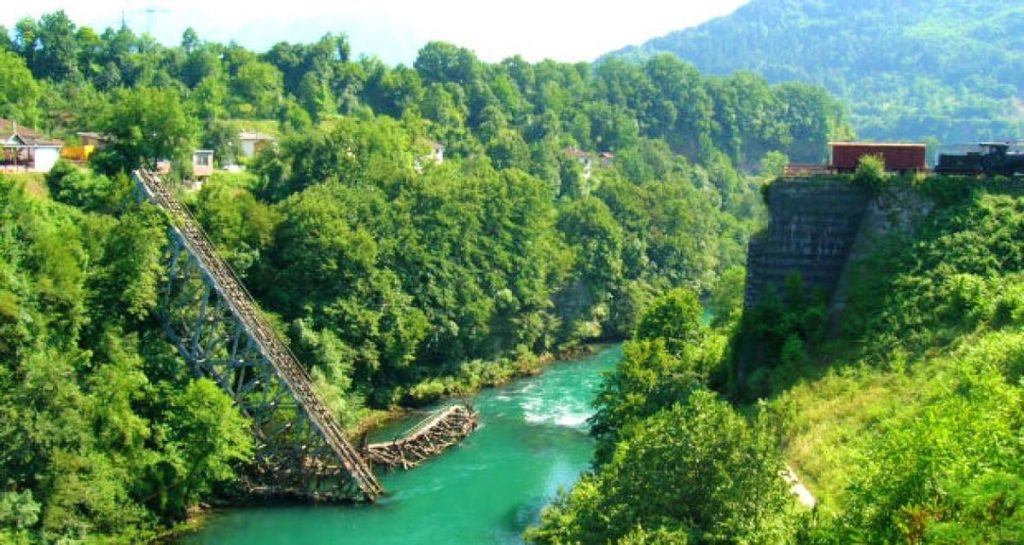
x,y
85,189
698,469
870,173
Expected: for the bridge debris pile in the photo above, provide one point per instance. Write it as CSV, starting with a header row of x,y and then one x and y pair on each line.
x,y
432,436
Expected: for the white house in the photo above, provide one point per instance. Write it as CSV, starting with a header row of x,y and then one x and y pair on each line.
x,y
436,152
202,163
251,142
585,159
26,150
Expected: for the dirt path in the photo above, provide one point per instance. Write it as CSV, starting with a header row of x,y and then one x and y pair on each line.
x,y
798,489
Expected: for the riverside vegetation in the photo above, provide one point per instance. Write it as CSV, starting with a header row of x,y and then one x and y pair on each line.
x,y
906,422
396,280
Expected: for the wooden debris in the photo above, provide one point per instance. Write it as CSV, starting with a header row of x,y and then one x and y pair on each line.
x,y
432,436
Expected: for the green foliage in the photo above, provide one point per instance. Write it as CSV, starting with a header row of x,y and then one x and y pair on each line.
x,y
242,227
697,469
771,348
87,190
948,69
960,272
98,442
675,318
648,379
725,303
909,422
396,279
145,125
870,173
19,92
774,164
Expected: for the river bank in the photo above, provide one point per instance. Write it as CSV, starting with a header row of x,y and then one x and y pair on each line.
x,y
384,419
532,441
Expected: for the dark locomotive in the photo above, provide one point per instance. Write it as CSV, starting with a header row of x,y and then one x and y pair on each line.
x,y
995,160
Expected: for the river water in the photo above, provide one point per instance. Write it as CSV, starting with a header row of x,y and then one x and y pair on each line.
x,y
531,442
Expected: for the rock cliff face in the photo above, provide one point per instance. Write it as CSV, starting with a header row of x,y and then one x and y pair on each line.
x,y
813,227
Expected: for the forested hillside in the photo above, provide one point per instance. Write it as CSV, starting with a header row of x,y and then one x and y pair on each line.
x,y
946,70
904,417
103,431
397,279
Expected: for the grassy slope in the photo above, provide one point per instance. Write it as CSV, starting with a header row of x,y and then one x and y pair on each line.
x,y
950,311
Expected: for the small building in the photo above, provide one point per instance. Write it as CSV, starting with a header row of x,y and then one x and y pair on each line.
x,y
435,154
26,150
77,154
586,160
94,139
202,163
253,142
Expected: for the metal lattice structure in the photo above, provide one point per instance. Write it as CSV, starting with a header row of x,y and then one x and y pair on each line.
x,y
301,450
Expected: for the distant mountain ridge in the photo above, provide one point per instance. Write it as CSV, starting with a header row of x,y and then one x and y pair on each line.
x,y
908,70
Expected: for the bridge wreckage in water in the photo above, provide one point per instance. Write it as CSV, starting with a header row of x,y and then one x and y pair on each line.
x,y
301,449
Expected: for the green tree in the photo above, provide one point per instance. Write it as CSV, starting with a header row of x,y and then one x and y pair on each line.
x,y
145,125
675,317
208,437
870,173
697,469
56,56
19,93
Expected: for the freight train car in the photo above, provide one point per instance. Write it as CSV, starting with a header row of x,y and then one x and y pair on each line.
x,y
897,157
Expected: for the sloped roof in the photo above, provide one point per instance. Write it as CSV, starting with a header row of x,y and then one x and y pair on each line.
x,y
28,135
257,136
93,135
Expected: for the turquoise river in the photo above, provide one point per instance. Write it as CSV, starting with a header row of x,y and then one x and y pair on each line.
x,y
532,441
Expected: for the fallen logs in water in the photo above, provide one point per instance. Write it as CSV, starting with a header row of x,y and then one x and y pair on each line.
x,y
425,440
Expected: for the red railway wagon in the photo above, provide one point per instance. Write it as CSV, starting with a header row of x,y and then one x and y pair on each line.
x,y
898,157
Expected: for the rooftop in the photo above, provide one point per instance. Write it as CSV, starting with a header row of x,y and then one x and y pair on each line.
x,y
880,144
258,136
31,137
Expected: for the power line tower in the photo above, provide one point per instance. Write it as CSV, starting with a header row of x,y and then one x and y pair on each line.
x,y
150,13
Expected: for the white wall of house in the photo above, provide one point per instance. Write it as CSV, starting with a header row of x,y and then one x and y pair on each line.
x,y
45,158
248,147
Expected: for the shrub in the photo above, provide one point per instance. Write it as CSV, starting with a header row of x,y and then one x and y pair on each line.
x,y
870,173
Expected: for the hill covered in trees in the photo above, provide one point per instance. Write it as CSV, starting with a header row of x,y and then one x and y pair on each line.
x,y
396,279
903,417
946,70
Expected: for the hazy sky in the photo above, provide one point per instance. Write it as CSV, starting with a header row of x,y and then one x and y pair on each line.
x,y
565,30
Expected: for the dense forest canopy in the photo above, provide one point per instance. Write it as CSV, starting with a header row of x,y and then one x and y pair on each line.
x,y
395,277
65,79
948,70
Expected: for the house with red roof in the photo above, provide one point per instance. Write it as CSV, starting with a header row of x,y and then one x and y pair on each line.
x,y
26,149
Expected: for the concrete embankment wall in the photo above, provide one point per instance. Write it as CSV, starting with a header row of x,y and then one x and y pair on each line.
x,y
813,227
